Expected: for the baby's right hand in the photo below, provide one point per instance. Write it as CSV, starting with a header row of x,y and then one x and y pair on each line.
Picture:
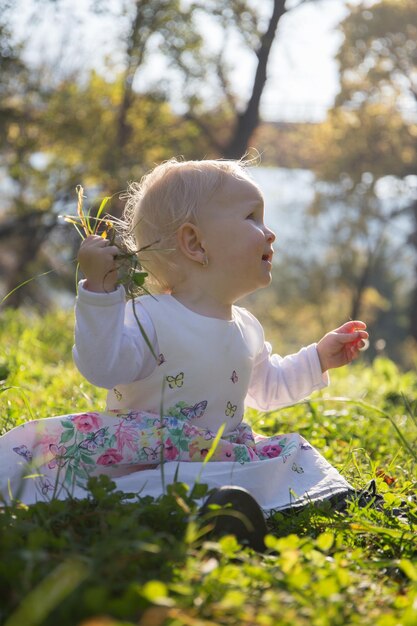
x,y
97,262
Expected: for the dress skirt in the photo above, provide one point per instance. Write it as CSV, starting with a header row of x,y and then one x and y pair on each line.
x,y
55,456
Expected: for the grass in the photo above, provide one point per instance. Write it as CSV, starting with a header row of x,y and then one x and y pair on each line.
x,y
115,559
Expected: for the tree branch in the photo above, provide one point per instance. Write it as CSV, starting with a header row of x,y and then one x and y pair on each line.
x,y
249,119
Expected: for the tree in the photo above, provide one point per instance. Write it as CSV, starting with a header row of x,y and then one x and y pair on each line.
x,y
224,120
78,128
231,125
19,109
102,132
76,135
372,134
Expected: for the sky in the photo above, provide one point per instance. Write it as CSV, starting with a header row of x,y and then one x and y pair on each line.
x,y
302,72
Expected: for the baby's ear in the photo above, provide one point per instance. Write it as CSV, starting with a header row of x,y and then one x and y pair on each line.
x,y
189,242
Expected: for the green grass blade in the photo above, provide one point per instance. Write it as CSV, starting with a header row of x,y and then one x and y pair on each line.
x,y
26,282
142,330
161,416
215,443
22,395
49,593
103,205
370,407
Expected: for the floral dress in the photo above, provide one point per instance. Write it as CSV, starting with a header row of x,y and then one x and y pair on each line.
x,y
190,410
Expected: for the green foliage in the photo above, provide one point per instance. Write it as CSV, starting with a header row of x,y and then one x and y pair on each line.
x,y
379,49
374,117
368,141
41,379
121,541
117,558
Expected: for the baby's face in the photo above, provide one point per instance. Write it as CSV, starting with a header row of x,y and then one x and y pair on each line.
x,y
237,242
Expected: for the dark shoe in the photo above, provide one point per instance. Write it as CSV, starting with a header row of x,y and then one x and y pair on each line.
x,y
239,515
370,498
364,498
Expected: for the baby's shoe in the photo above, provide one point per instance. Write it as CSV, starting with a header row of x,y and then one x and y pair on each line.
x,y
239,515
370,498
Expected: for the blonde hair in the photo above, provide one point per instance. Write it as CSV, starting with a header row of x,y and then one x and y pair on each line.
x,y
167,197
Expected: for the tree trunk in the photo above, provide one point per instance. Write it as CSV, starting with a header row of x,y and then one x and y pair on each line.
x,y
135,54
24,236
248,120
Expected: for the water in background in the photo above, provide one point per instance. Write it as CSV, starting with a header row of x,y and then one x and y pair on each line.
x,y
287,193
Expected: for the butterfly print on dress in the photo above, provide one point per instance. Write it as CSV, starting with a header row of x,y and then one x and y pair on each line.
x,y
175,381
46,486
230,409
117,394
153,454
24,451
59,459
297,468
208,434
94,440
234,377
195,411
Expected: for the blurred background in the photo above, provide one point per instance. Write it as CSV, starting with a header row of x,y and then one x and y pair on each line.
x,y
95,92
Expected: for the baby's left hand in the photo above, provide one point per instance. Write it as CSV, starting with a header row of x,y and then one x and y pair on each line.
x,y
342,345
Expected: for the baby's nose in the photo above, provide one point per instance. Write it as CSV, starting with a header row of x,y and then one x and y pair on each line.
x,y
270,235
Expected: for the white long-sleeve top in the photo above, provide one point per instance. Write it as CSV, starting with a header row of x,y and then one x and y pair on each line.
x,y
111,352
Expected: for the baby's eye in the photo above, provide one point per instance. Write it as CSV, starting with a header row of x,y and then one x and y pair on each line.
x,y
251,216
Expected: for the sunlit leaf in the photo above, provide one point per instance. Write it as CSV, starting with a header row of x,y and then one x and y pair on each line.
x,y
325,541
102,206
139,278
409,569
156,592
